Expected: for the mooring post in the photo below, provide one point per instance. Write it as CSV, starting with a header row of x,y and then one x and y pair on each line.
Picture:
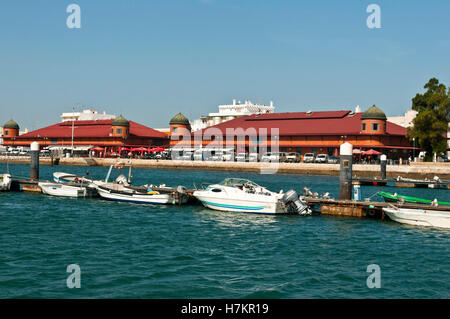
x,y
383,161
345,177
34,164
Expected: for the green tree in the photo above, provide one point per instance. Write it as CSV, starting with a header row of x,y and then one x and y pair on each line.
x,y
431,123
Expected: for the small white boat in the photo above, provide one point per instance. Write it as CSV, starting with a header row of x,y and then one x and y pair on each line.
x,y
419,217
64,190
60,177
5,182
124,193
242,195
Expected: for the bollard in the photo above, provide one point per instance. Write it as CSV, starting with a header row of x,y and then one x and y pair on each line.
x,y
383,160
345,177
356,192
34,164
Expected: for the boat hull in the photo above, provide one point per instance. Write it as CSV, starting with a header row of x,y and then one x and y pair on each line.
x,y
419,217
56,189
155,199
393,198
240,206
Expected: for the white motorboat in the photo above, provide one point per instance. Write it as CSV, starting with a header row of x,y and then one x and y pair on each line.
x,y
419,217
67,190
242,195
5,182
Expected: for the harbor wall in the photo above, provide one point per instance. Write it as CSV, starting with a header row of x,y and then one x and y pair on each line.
x,y
414,170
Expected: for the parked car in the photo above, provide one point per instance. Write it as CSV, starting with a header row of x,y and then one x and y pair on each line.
x,y
443,158
277,157
242,157
187,156
228,155
217,156
321,158
333,160
266,157
308,158
44,153
253,157
293,157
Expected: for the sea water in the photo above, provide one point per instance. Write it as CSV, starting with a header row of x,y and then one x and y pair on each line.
x,y
142,251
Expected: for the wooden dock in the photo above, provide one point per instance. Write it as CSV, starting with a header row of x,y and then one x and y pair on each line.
x,y
362,208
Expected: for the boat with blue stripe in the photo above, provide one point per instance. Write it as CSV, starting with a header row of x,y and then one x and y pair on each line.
x,y
242,195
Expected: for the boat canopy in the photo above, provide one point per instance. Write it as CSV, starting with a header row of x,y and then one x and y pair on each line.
x,y
237,181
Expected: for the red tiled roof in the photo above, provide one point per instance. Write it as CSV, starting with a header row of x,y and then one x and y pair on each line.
x,y
95,129
302,123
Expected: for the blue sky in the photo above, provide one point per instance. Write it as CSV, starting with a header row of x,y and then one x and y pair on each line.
x,y
150,59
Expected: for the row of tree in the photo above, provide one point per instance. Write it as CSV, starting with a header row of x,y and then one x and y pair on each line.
x,y
431,123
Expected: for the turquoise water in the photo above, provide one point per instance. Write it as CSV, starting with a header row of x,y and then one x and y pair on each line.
x,y
142,251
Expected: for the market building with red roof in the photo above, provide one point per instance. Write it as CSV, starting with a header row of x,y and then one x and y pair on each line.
x,y
309,132
107,134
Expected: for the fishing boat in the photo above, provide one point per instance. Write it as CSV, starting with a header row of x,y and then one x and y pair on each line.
x,y
394,198
61,177
124,193
5,182
67,190
242,195
122,190
419,217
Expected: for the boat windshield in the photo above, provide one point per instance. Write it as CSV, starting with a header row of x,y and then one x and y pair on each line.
x,y
232,182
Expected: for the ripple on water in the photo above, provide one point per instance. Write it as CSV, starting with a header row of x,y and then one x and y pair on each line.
x,y
145,251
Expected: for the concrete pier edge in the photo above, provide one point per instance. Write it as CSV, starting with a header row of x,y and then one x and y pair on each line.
x,y
415,170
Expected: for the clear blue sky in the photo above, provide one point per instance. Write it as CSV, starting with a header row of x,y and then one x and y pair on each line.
x,y
150,59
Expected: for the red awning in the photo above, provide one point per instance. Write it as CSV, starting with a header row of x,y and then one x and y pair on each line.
x,y
157,149
140,149
371,152
97,149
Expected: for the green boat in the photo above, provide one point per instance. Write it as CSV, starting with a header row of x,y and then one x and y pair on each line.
x,y
394,198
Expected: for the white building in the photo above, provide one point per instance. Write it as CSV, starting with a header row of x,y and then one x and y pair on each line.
x,y
86,115
229,112
405,120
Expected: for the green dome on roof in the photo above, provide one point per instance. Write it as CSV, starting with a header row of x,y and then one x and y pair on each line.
x,y
11,124
120,121
374,113
179,119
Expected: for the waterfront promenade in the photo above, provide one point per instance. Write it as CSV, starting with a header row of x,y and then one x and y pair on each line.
x,y
414,170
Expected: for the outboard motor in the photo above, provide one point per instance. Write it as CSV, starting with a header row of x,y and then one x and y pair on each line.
x,y
180,194
181,189
121,179
295,204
